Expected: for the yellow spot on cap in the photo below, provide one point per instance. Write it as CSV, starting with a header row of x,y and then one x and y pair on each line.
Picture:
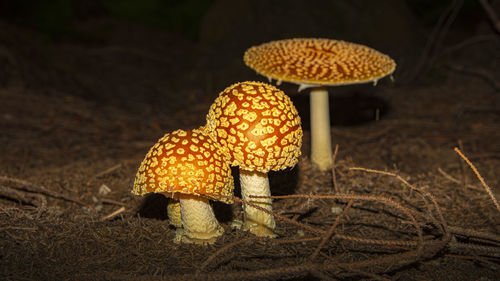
x,y
317,61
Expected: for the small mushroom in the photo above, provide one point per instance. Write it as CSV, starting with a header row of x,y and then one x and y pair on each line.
x,y
189,167
317,63
259,129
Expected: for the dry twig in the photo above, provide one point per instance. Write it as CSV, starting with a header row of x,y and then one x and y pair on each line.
x,y
489,237
330,231
334,177
337,236
434,202
34,199
486,187
222,250
344,197
30,187
280,217
113,214
452,179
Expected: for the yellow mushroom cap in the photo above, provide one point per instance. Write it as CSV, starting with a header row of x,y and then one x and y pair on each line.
x,y
257,126
316,61
186,162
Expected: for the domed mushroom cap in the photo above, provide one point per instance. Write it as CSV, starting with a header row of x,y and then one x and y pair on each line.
x,y
187,162
257,126
316,61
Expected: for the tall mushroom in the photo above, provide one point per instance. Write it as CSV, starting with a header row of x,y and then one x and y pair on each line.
x,y
259,129
188,166
317,63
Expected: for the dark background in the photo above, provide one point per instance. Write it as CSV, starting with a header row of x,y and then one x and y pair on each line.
x,y
202,41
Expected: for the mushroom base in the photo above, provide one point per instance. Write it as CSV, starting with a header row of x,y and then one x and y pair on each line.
x,y
257,221
198,221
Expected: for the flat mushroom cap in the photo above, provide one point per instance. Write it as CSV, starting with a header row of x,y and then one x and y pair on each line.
x,y
257,126
316,61
186,162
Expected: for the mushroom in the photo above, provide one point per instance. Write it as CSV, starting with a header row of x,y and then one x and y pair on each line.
x,y
259,130
189,167
317,63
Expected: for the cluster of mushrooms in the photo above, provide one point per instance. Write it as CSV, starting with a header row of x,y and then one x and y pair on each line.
x,y
254,126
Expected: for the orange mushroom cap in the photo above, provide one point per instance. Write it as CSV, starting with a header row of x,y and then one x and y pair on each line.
x,y
186,162
257,126
316,61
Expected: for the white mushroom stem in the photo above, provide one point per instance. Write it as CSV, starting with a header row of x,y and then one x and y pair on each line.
x,y
174,212
257,221
198,221
321,146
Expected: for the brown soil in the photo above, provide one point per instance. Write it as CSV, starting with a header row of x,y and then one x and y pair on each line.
x,y
76,118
